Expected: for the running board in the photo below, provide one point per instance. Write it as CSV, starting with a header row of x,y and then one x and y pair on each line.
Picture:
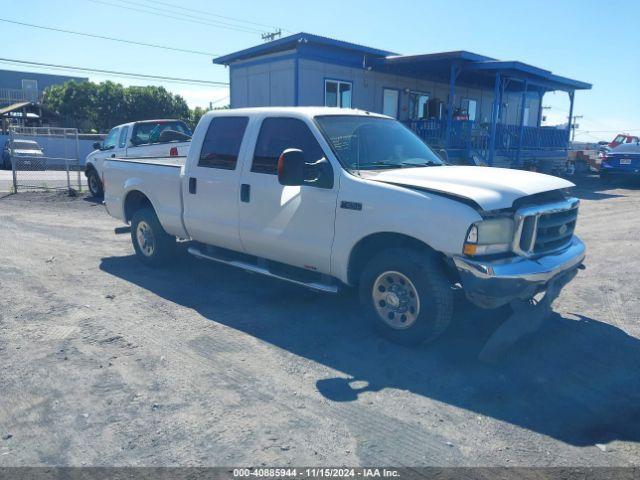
x,y
319,287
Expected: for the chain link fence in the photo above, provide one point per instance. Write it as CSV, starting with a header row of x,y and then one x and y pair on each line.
x,y
44,158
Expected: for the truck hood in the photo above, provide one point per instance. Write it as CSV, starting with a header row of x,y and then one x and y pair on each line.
x,y
490,188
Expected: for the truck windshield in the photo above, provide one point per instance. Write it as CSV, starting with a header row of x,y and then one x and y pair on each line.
x,y
371,143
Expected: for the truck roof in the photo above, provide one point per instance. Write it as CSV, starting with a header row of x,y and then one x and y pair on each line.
x,y
293,111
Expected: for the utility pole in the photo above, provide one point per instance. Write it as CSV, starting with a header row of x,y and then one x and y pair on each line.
x,y
270,37
574,126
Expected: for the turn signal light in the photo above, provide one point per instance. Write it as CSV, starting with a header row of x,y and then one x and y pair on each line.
x,y
470,249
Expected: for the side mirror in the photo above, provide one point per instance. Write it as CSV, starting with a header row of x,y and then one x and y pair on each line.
x,y
442,153
97,145
291,167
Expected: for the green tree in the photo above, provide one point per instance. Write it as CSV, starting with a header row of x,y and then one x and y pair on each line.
x,y
110,106
89,106
75,102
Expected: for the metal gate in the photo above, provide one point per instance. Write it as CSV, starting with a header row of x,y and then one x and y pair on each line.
x,y
45,158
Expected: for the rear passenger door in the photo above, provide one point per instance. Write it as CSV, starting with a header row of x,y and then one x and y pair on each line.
x,y
289,224
211,190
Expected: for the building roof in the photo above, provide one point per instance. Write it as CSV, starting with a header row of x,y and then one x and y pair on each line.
x,y
13,107
290,42
475,69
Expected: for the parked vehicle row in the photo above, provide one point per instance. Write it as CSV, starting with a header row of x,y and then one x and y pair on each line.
x,y
27,152
327,198
144,139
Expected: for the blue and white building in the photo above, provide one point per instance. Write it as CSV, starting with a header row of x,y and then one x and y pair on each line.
x,y
474,106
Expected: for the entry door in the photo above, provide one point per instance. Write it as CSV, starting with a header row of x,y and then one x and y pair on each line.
x,y
211,190
390,99
293,225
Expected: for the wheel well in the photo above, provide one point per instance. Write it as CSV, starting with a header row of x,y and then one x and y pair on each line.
x,y
135,201
373,244
89,168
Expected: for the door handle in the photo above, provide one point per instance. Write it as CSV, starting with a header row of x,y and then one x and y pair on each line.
x,y
245,192
113,155
193,182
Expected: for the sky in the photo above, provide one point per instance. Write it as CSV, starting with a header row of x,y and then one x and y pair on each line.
x,y
592,41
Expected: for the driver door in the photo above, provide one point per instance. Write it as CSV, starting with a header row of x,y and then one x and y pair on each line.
x,y
292,225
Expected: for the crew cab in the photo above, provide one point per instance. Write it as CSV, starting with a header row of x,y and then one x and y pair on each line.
x,y
144,139
329,198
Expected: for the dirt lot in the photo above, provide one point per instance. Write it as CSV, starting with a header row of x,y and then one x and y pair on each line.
x,y
106,362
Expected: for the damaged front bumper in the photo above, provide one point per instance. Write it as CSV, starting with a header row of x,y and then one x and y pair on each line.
x,y
493,283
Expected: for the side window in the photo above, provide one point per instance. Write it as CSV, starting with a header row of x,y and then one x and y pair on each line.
x,y
278,134
122,142
222,142
111,140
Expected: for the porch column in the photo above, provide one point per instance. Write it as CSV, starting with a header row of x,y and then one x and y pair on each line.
x,y
571,95
494,119
453,74
523,104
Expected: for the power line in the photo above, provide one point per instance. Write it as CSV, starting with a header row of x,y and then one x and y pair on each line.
x,y
113,39
214,15
191,18
116,73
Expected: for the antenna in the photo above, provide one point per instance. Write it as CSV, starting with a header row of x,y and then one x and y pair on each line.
x,y
270,37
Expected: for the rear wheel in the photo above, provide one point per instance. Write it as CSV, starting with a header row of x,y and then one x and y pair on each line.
x,y
95,184
152,244
406,296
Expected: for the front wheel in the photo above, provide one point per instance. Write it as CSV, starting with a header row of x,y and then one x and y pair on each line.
x,y
406,296
95,184
152,244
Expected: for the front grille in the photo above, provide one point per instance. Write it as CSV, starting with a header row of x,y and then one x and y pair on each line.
x,y
555,230
545,228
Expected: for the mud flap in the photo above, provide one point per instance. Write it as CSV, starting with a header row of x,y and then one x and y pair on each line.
x,y
527,318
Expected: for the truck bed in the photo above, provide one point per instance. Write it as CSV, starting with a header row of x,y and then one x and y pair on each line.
x,y
158,178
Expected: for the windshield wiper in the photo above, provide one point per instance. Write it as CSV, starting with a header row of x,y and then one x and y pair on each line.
x,y
428,163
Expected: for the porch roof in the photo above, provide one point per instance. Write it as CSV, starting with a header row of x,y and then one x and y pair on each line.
x,y
475,69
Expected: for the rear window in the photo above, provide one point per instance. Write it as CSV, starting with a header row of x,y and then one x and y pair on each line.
x,y
149,132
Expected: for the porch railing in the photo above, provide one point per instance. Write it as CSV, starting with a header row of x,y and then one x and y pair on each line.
x,y
13,95
468,138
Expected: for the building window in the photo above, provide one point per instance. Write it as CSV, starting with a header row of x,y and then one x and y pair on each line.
x,y
277,135
418,105
221,145
390,100
337,93
469,108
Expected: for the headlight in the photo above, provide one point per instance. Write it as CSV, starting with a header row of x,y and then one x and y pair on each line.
x,y
489,236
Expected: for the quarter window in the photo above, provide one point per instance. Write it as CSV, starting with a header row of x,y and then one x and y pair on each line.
x,y
277,135
337,93
222,142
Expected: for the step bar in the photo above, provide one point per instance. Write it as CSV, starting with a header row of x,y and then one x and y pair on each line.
x,y
316,286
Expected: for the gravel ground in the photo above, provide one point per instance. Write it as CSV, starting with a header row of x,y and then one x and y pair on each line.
x,y
106,362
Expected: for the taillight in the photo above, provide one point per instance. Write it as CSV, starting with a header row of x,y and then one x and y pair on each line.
x,y
173,152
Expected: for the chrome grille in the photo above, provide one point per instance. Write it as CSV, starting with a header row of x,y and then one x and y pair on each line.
x,y
545,228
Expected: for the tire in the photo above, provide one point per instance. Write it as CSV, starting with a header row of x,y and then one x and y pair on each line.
x,y
95,184
426,290
158,246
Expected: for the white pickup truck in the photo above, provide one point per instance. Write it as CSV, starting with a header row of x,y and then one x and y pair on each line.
x,y
144,139
326,197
